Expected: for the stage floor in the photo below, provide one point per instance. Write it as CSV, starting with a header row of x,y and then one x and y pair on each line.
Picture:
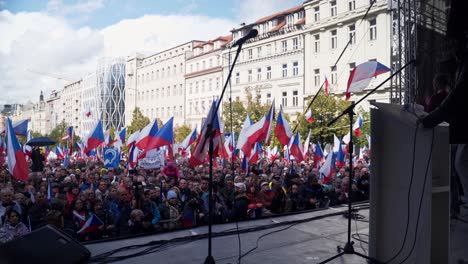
x,y
308,242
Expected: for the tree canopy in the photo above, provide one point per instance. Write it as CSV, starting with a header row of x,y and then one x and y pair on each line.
x,y
139,121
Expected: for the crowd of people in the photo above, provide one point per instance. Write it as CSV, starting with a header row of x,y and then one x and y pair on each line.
x,y
175,196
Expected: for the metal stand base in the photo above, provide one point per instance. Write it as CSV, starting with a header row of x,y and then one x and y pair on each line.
x,y
349,249
209,260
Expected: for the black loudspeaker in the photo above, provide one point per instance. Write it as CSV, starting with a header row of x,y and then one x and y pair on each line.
x,y
45,245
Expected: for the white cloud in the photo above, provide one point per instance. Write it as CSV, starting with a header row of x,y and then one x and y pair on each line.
x,y
50,45
250,11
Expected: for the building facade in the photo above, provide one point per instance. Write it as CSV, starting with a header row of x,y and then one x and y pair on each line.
x,y
156,84
53,111
203,79
330,25
271,66
71,105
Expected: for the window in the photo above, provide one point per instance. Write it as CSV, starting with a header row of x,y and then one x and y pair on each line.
x,y
317,77
295,99
152,75
295,43
197,67
249,76
190,88
168,111
203,86
351,5
211,63
162,92
181,69
174,69
174,111
284,100
351,66
373,29
259,74
259,52
203,65
157,111
237,77
316,13
157,92
157,74
333,75
181,89
352,34
162,111
168,72
289,20
317,43
268,68
332,8
268,49
152,94
210,84
168,91
196,87
284,45
174,92
268,96
333,39
190,107
285,70
217,82
181,111
191,68
300,15
250,54
295,68
162,73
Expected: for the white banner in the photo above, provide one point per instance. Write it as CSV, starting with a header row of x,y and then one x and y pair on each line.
x,y
154,159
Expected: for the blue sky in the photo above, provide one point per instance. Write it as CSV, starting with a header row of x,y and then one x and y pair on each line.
x,y
112,11
66,39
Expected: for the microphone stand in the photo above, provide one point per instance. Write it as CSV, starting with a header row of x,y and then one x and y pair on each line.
x,y
210,133
349,248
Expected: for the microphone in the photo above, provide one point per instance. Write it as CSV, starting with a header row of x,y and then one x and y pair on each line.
x,y
252,34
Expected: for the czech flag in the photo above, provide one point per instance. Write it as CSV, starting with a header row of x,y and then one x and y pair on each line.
x,y
133,157
17,165
245,165
295,148
188,141
282,130
146,134
328,168
340,157
260,131
361,75
309,116
59,152
357,126
164,137
70,138
93,223
202,145
306,145
21,127
273,154
318,155
132,139
242,140
256,153
95,138
2,149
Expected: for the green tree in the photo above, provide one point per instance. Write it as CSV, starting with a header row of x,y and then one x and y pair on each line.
x,y
59,131
238,116
324,109
139,121
181,132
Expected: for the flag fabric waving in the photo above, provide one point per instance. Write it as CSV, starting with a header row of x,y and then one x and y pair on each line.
x,y
93,223
242,140
260,131
283,130
201,147
132,139
361,75
305,149
17,164
95,138
318,155
146,134
295,148
164,137
357,126
189,139
328,168
309,116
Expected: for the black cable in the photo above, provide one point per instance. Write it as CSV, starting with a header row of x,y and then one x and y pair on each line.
x,y
408,198
239,243
357,233
155,246
421,199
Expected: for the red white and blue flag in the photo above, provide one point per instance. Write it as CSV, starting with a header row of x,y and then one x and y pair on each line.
x,y
26,148
164,137
309,116
260,131
273,153
2,150
242,140
146,134
283,130
295,148
133,157
357,126
95,138
93,223
17,165
21,127
189,140
306,148
318,155
361,75
202,145
132,139
326,171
